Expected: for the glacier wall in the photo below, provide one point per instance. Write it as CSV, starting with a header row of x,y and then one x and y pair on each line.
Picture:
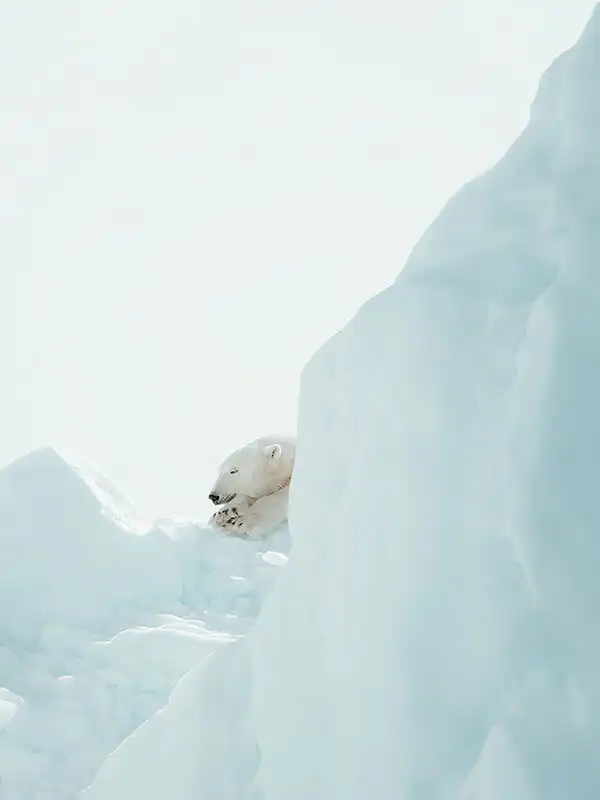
x,y
437,632
435,636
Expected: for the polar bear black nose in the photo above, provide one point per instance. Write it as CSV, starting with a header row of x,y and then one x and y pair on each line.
x,y
214,497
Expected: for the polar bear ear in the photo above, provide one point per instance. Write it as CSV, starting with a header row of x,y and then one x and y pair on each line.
x,y
272,452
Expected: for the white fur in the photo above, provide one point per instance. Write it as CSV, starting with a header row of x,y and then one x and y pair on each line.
x,y
252,486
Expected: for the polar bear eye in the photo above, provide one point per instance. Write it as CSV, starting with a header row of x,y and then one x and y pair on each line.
x,y
233,470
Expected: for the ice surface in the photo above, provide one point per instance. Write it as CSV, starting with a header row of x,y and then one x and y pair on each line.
x,y
201,744
436,633
445,502
101,614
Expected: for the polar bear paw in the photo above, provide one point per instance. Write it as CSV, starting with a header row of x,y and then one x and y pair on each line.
x,y
230,517
246,523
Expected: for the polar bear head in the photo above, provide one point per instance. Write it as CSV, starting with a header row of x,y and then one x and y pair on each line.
x,y
255,470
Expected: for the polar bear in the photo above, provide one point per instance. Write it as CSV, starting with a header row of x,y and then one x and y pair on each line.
x,y
253,486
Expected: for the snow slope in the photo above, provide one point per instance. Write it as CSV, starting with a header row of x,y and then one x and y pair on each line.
x,y
436,634
101,614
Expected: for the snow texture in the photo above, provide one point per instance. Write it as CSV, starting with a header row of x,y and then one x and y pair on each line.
x,y
101,614
436,632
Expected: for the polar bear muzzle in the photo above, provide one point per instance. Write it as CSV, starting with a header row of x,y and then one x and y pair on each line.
x,y
218,500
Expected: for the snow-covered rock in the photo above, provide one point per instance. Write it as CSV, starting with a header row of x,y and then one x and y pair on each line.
x,y
101,614
436,635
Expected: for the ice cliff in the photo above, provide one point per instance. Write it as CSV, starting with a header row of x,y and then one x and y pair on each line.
x,y
437,632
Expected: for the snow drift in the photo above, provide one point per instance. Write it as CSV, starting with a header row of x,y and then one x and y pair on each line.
x,y
101,614
436,633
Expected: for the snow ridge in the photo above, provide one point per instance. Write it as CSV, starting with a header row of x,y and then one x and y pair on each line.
x,y
101,614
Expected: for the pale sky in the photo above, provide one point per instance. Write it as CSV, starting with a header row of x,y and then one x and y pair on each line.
x,y
195,195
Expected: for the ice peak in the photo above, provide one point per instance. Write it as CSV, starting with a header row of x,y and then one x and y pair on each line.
x,y
567,98
511,231
42,460
50,472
